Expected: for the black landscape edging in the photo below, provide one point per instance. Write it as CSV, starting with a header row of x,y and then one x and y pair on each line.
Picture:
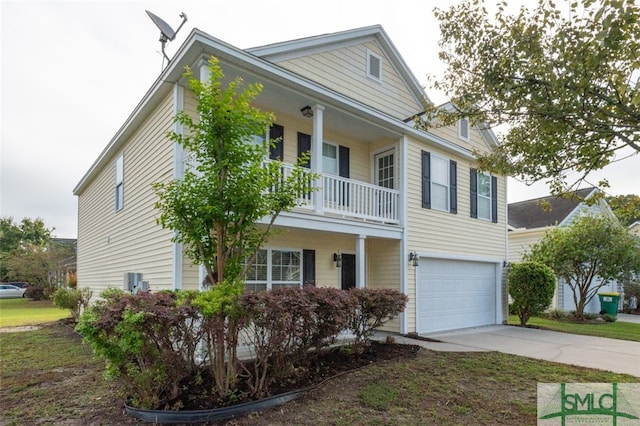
x,y
214,414
217,414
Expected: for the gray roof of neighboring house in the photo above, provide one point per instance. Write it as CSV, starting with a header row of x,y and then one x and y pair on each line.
x,y
545,211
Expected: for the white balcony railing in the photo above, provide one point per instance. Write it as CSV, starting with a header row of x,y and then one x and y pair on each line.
x,y
351,198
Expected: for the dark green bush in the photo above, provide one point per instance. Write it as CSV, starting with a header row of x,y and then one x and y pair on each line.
x,y
531,286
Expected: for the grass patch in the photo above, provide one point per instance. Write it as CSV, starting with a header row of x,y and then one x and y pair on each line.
x,y
613,330
19,312
378,396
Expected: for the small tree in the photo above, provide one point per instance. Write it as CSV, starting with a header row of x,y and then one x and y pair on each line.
x,y
587,255
531,286
217,207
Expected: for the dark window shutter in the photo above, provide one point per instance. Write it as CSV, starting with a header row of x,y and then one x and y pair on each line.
x,y
453,187
343,171
276,147
343,156
473,190
309,267
426,180
494,199
304,145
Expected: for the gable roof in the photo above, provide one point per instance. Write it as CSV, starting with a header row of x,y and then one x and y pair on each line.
x,y
545,211
200,45
278,52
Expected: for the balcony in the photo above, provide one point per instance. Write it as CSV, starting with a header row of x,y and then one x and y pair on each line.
x,y
349,198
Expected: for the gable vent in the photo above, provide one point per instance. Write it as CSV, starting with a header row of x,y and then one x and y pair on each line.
x,y
374,66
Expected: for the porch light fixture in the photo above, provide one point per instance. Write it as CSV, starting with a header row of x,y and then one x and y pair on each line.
x,y
414,258
307,111
506,264
338,259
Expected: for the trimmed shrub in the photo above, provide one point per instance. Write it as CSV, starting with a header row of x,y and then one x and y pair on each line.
x,y
149,342
162,346
76,300
373,309
531,286
35,292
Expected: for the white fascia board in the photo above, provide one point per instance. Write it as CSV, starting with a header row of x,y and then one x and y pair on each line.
x,y
199,44
313,222
578,208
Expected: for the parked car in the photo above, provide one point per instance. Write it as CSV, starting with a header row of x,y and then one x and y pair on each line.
x,y
21,284
8,291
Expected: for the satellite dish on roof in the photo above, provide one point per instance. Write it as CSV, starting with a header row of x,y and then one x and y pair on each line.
x,y
166,32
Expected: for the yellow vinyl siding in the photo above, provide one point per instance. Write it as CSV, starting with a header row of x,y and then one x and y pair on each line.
x,y
190,274
344,70
383,270
113,243
450,133
520,242
430,230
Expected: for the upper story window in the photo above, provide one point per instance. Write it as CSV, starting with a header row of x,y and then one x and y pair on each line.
x,y
484,196
439,183
119,182
464,129
374,66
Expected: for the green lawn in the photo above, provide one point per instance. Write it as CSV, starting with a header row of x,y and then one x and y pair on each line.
x,y
17,312
612,330
50,377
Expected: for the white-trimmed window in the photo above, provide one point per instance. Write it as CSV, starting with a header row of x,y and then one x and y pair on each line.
x,y
119,193
275,268
484,196
329,158
464,129
439,183
374,66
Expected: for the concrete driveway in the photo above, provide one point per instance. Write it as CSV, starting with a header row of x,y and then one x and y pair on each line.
x,y
620,356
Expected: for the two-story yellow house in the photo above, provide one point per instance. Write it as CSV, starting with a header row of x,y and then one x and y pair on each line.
x,y
397,208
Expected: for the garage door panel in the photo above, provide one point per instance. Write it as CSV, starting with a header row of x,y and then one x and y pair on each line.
x,y
455,294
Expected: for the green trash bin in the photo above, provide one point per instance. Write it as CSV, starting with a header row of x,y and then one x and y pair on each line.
x,y
609,303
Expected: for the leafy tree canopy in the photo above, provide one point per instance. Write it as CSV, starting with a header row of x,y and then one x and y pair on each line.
x,y
588,254
559,78
20,235
626,208
216,208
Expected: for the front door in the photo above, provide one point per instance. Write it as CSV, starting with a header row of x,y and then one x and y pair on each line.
x,y
348,271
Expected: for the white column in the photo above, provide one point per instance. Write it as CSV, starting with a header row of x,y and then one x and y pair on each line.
x,y
316,156
404,253
178,173
360,262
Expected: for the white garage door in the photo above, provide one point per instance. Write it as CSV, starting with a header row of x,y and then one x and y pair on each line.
x,y
455,294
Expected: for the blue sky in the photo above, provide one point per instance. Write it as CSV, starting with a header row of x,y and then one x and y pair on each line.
x,y
72,72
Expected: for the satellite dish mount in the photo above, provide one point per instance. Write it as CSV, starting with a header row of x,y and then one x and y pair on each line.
x,y
166,32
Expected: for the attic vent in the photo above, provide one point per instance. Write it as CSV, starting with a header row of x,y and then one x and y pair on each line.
x,y
374,66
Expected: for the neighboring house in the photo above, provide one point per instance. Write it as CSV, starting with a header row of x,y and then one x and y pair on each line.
x,y
634,228
397,207
67,264
530,219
